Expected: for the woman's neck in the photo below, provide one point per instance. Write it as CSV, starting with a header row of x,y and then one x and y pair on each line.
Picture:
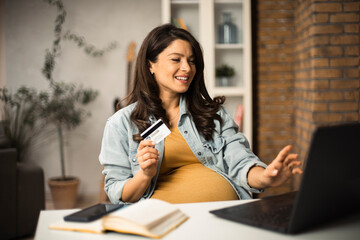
x,y
170,102
171,106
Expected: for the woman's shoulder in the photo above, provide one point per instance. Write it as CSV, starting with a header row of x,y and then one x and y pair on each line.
x,y
223,112
122,115
227,119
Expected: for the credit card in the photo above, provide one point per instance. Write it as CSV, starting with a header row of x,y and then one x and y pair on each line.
x,y
156,132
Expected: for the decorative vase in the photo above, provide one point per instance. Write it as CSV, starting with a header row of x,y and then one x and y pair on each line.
x,y
227,31
224,81
64,191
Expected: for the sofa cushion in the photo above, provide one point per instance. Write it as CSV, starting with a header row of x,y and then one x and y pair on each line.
x,y
8,193
30,197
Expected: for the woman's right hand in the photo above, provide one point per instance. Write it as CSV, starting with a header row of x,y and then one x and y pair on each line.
x,y
148,158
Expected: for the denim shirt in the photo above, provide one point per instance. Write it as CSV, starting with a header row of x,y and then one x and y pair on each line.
x,y
228,153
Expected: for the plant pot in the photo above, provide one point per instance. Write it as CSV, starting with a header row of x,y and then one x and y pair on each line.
x,y
224,81
64,191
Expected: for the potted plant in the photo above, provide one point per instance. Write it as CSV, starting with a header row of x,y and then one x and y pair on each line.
x,y
63,107
21,121
224,73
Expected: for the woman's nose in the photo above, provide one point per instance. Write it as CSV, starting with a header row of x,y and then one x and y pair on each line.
x,y
185,66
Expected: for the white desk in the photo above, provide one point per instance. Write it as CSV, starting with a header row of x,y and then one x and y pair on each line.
x,y
203,225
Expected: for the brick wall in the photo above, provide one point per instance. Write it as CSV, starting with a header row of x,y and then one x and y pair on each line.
x,y
327,66
275,79
308,72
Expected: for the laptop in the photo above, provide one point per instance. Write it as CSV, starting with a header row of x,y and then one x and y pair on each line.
x,y
329,189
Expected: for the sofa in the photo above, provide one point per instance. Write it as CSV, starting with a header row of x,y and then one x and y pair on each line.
x,y
22,194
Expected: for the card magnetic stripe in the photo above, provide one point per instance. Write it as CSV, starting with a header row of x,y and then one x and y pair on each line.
x,y
156,126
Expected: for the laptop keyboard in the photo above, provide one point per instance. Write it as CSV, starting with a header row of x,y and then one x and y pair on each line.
x,y
273,216
270,212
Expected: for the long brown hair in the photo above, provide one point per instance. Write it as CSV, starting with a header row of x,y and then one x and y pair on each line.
x,y
146,92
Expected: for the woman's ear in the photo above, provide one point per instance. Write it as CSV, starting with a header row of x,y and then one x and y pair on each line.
x,y
150,64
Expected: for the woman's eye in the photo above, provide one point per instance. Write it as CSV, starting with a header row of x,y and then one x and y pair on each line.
x,y
192,62
176,59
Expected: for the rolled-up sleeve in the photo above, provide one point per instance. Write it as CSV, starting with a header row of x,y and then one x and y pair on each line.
x,y
237,154
114,157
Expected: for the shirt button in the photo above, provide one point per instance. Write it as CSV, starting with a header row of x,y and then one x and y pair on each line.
x,y
185,132
199,153
134,159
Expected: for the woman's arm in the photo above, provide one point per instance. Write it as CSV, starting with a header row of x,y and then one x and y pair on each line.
x,y
281,169
148,158
135,188
125,169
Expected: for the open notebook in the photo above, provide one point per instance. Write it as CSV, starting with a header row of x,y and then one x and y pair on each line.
x,y
330,186
151,218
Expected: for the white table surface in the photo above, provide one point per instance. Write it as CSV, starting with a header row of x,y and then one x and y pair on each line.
x,y
203,225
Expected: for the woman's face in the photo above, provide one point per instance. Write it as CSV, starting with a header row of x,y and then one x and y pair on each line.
x,y
175,68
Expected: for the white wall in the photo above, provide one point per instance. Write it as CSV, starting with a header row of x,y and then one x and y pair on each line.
x,y
2,46
29,28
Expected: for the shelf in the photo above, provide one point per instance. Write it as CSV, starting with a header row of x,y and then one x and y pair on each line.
x,y
229,91
187,11
228,1
182,2
229,46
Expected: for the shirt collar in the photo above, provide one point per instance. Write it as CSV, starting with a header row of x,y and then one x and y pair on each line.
x,y
182,105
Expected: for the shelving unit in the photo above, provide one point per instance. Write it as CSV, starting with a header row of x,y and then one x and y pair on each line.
x,y
202,18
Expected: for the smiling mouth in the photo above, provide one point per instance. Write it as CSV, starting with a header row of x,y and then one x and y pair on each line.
x,y
182,78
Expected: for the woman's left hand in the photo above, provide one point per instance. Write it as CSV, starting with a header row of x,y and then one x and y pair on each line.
x,y
281,168
277,172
